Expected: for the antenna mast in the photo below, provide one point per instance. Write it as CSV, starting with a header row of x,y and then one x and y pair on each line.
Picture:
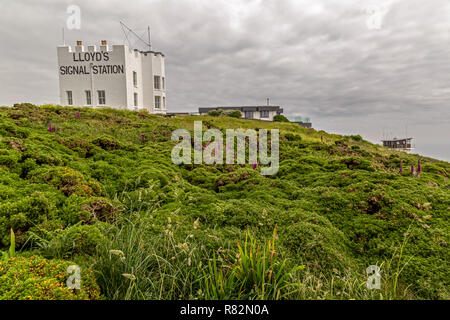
x,y
147,43
149,39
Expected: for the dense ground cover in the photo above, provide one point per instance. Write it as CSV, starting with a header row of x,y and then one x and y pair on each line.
x,y
99,189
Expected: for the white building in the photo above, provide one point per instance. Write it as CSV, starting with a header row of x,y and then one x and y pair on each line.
x,y
116,77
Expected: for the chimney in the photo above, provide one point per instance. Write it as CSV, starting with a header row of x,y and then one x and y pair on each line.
x,y
104,46
79,47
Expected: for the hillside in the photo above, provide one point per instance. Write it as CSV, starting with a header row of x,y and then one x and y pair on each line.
x,y
100,191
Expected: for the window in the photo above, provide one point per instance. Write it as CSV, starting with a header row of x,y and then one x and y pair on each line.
x,y
264,113
163,83
135,99
157,82
88,97
69,98
101,97
157,102
135,79
249,114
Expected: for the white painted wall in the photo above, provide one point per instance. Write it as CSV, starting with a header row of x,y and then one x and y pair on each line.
x,y
119,87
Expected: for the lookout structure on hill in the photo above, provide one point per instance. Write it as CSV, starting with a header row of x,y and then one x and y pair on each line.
x,y
404,144
117,77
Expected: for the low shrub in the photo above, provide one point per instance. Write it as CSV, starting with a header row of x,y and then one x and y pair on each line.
x,y
36,278
215,113
280,118
66,243
234,114
292,137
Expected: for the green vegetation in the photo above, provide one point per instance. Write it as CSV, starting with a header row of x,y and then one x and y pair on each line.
x,y
280,118
41,279
232,114
99,190
215,113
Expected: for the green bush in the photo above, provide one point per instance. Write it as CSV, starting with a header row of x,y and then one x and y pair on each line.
x,y
67,180
215,113
356,138
36,278
292,137
66,243
280,118
234,114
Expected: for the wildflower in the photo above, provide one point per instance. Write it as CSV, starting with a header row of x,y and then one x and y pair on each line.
x,y
419,167
116,252
129,276
50,129
196,223
255,165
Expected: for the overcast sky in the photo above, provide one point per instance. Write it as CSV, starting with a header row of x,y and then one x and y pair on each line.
x,y
353,66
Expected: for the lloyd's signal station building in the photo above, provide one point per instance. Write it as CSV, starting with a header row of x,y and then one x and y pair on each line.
x,y
117,77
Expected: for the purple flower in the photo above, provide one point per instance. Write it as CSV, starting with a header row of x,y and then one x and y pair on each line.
x,y
255,165
50,128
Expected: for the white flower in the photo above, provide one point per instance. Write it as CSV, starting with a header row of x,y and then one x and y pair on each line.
x,y
129,276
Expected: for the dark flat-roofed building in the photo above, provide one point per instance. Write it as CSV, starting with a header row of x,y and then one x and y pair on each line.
x,y
265,113
401,144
